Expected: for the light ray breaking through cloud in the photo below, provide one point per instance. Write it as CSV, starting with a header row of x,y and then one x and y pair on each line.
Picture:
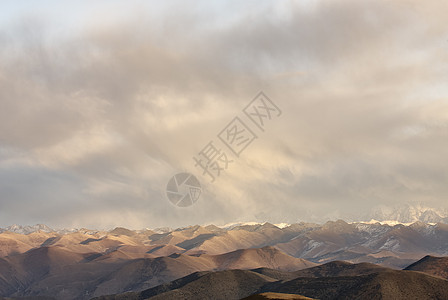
x,y
100,107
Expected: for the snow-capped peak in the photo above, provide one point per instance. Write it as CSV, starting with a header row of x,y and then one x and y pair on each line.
x,y
407,214
28,229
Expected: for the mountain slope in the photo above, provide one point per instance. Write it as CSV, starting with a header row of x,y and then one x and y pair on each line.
x,y
267,257
340,268
236,284
437,266
64,274
230,284
392,284
276,296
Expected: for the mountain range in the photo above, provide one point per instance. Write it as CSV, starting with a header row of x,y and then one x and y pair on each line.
x,y
391,215
82,263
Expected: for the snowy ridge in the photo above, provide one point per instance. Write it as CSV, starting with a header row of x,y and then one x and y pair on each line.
x,y
231,226
27,229
408,214
390,222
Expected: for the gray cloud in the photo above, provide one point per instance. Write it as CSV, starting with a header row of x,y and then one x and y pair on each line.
x,y
94,121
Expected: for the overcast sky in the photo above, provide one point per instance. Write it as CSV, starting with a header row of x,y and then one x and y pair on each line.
x,y
102,102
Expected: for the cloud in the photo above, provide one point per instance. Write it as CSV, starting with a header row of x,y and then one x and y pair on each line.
x,y
96,118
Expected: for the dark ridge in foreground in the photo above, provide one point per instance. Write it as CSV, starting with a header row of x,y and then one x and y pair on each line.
x,y
437,266
276,296
365,281
340,268
391,284
230,284
28,298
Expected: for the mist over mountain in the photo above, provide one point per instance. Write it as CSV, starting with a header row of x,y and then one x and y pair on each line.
x,y
408,213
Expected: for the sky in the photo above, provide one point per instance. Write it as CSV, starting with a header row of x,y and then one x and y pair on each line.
x,y
102,102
